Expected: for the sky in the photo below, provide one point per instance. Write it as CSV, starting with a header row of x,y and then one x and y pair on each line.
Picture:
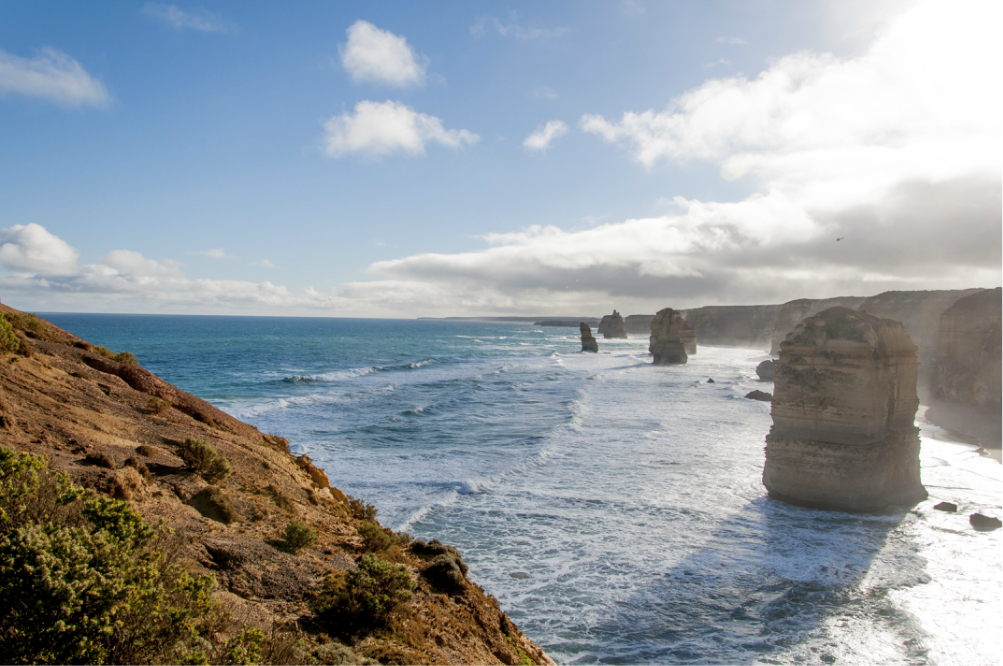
x,y
458,159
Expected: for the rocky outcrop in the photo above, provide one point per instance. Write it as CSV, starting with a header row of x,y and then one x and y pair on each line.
x,y
639,324
968,366
766,370
589,343
762,396
666,341
844,403
611,326
740,325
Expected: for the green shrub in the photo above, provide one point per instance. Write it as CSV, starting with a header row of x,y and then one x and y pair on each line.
x,y
29,323
374,536
125,358
365,598
361,510
299,535
446,569
84,579
204,460
9,341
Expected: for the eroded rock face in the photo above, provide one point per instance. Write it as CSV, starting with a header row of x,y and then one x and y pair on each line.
x,y
742,325
639,324
667,342
589,343
844,403
968,351
612,326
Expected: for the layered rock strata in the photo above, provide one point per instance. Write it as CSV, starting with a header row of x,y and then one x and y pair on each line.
x,y
844,403
666,343
741,325
968,368
639,324
589,343
612,326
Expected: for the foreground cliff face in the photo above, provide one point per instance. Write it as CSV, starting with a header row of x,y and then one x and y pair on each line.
x,y
666,343
119,430
968,351
612,326
844,403
740,325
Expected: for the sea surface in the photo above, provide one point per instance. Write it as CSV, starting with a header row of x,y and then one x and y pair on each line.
x,y
614,508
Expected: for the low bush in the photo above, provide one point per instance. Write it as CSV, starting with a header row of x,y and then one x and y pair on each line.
x,y
29,323
157,405
84,579
446,569
299,535
364,599
124,357
204,460
101,460
9,341
361,510
214,504
140,467
373,535
146,450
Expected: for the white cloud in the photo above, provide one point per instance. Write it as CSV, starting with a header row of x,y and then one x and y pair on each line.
x,y
378,55
264,263
51,75
382,128
178,19
539,140
216,253
513,29
31,248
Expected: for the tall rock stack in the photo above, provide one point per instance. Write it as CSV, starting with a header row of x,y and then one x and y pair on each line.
x,y
589,343
611,326
968,351
844,403
666,342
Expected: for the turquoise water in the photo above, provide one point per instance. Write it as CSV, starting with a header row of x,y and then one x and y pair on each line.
x,y
614,508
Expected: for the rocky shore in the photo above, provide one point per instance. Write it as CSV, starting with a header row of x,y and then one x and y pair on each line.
x,y
120,431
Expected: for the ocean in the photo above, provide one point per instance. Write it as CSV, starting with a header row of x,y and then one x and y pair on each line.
x,y
614,508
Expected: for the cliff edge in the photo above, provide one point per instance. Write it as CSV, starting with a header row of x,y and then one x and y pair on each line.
x,y
119,431
968,351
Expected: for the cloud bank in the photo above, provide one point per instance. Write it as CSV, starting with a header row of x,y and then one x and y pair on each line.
x,y
51,75
380,56
377,129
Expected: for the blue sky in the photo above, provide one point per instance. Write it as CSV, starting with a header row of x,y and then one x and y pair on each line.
x,y
408,159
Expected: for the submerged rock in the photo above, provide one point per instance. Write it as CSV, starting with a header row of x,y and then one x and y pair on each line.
x,y
612,326
760,395
666,342
844,403
949,507
589,343
766,370
981,522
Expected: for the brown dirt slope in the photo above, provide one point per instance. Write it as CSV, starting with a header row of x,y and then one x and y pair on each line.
x,y
117,429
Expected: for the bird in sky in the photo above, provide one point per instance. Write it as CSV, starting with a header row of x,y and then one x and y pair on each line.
x,y
840,238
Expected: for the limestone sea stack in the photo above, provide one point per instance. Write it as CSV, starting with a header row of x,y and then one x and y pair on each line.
x,y
612,326
844,403
589,343
667,338
968,351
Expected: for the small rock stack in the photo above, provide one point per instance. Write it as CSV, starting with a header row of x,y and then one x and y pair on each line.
x,y
589,343
668,331
612,326
844,403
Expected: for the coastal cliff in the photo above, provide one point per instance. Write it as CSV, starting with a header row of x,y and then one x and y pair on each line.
x,y
638,324
968,366
740,325
844,403
666,342
247,518
612,326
